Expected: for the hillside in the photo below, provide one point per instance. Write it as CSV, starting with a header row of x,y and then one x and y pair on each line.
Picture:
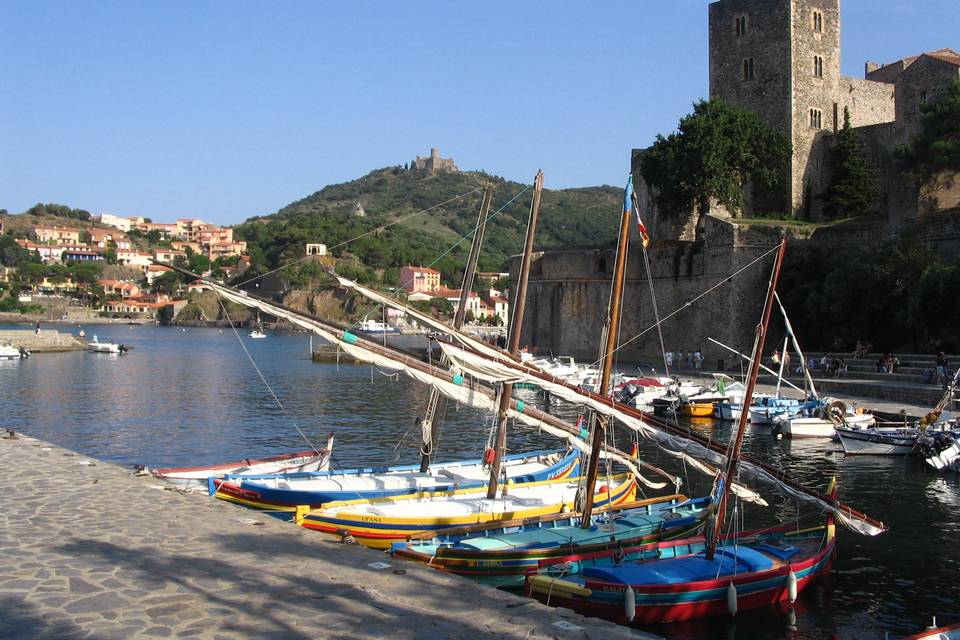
x,y
568,218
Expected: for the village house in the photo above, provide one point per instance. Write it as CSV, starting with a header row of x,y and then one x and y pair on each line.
x,y
496,306
153,271
474,303
119,288
182,245
169,255
81,255
132,258
417,279
124,224
52,287
56,235
103,237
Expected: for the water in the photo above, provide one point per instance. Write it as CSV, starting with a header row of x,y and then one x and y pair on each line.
x,y
193,397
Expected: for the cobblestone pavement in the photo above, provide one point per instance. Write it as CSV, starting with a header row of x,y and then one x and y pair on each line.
x,y
88,550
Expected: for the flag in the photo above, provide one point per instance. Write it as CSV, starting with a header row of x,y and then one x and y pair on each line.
x,y
628,206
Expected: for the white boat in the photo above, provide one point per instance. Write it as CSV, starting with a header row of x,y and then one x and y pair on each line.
x,y
197,477
765,408
823,423
105,347
9,352
728,411
933,632
257,334
941,449
376,328
877,442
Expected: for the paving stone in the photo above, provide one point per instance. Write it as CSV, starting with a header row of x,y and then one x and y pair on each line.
x,y
96,603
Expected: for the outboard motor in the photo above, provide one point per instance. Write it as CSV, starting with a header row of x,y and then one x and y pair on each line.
x,y
24,352
124,348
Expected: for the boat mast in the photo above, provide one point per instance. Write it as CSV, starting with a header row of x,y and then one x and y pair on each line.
x,y
808,379
437,403
513,346
733,452
613,332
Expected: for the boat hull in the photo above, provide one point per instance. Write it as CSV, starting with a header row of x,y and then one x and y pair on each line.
x,y
198,477
520,550
368,524
697,409
282,495
857,442
659,603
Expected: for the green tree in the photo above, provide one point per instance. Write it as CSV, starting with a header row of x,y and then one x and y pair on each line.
x,y
12,254
853,190
169,282
715,151
937,147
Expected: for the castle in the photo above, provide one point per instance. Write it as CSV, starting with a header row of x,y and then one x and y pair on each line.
x,y
781,60
435,164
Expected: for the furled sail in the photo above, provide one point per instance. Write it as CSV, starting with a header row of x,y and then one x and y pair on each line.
x,y
668,437
452,385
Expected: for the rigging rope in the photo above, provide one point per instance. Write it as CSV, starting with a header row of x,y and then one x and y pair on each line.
x,y
259,373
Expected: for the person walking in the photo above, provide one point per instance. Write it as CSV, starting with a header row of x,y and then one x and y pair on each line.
x,y
942,365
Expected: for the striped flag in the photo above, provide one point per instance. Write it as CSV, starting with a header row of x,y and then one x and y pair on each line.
x,y
628,206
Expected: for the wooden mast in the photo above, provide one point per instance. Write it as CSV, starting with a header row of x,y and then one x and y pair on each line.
x,y
519,302
437,402
606,366
733,452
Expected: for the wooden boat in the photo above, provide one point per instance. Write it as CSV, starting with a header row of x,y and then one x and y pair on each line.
x,y
198,477
379,522
503,557
877,442
283,493
678,582
697,409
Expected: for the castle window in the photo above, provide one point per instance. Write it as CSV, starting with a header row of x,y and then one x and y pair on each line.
x,y
741,26
818,66
748,68
816,119
817,22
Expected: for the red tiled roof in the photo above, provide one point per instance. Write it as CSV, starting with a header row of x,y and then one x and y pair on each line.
x,y
946,55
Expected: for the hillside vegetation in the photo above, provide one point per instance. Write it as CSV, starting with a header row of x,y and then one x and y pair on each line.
x,y
568,218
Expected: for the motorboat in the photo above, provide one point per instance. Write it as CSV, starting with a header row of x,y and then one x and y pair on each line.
x,y
106,347
877,442
372,327
257,334
9,352
819,419
765,408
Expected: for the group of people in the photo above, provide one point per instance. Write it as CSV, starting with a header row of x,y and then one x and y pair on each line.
x,y
888,363
835,366
677,359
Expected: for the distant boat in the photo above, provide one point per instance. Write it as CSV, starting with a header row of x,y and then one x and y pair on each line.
x,y
372,327
877,442
8,352
106,347
257,333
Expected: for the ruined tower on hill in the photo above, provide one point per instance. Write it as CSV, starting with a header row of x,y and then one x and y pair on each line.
x,y
434,163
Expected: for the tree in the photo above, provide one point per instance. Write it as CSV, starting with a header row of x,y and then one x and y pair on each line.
x,y
937,147
853,190
168,282
715,151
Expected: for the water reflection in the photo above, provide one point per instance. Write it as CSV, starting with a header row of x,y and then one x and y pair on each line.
x,y
193,397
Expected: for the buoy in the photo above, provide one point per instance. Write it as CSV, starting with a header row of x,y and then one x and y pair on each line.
x,y
629,604
732,599
792,586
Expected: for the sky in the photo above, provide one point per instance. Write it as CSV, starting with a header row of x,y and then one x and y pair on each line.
x,y
226,110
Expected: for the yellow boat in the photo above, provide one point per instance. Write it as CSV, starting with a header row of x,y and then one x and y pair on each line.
x,y
697,409
379,522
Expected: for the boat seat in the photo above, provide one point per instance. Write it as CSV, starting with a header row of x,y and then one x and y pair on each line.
x,y
753,559
727,561
783,553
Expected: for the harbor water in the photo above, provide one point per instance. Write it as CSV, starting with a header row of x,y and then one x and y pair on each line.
x,y
197,396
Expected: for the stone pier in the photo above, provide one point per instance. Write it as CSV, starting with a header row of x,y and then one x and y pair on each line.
x,y
89,550
46,340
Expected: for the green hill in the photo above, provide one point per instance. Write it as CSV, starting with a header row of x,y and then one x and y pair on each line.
x,y
568,218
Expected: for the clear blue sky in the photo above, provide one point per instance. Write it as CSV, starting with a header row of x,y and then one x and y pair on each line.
x,y
225,110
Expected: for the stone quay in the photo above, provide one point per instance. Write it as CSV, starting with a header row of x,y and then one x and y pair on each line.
x,y
90,550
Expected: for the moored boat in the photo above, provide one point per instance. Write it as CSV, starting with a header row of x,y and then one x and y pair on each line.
x,y
379,522
877,442
505,556
678,581
105,347
198,477
283,493
933,632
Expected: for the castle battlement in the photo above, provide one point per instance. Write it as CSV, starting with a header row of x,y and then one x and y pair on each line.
x,y
434,163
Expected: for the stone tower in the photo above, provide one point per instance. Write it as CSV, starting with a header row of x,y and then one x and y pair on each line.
x,y
781,60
